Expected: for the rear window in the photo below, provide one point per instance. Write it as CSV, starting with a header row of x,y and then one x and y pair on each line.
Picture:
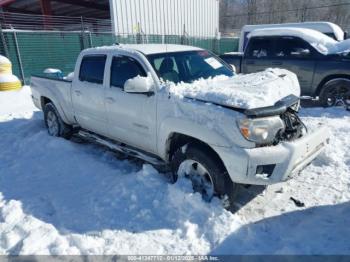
x,y
92,69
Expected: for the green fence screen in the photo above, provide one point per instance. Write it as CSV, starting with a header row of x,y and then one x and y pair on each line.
x,y
32,52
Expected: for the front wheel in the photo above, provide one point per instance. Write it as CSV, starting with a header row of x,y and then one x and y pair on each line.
x,y
336,92
206,172
54,124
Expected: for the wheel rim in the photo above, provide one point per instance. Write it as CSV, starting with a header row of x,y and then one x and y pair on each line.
x,y
338,96
201,179
52,123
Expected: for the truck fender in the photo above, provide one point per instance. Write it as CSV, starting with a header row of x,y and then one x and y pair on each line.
x,y
327,80
49,95
173,125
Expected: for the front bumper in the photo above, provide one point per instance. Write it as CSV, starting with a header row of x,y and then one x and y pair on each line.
x,y
286,159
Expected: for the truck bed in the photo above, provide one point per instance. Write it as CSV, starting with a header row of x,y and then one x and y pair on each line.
x,y
44,87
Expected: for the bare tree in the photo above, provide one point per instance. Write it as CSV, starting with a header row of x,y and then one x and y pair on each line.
x,y
236,13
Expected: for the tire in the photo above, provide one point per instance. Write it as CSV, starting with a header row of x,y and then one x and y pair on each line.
x,y
198,156
335,92
54,123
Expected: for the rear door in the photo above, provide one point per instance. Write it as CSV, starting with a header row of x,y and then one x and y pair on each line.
x,y
88,94
258,55
298,56
131,116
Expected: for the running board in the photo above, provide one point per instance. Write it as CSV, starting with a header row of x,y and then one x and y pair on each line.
x,y
121,148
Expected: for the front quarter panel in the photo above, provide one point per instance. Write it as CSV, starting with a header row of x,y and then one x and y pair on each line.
x,y
212,124
329,68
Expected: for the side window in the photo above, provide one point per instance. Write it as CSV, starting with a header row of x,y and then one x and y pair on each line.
x,y
125,68
167,68
259,48
159,62
291,47
92,69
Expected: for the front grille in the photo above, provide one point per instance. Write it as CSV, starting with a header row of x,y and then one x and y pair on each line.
x,y
293,126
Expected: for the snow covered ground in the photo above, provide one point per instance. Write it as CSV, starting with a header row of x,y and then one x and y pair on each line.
x,y
70,197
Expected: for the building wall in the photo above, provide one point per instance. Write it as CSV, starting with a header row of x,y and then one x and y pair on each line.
x,y
165,17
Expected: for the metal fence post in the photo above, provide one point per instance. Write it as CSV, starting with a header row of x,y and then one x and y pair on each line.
x,y
3,41
90,39
138,34
183,39
216,43
82,44
19,56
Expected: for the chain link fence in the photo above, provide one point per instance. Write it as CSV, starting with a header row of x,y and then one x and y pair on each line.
x,y
55,42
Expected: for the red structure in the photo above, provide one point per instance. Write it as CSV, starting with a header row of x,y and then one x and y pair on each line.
x,y
75,8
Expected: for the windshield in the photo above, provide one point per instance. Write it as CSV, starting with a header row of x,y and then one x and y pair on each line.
x,y
188,66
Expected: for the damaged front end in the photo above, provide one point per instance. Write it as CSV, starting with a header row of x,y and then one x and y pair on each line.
x,y
285,112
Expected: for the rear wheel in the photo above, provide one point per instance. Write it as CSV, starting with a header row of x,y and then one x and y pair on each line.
x,y
54,124
206,172
336,92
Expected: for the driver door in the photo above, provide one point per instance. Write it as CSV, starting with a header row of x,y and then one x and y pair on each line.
x,y
297,56
131,116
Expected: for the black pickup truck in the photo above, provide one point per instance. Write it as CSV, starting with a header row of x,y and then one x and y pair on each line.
x,y
321,64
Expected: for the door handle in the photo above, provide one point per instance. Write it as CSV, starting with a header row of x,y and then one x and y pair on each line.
x,y
276,63
110,100
77,92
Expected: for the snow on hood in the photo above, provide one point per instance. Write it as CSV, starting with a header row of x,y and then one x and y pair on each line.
x,y
343,46
321,42
242,91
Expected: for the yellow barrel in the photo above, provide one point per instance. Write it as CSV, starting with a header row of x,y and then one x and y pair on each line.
x,y
10,86
8,81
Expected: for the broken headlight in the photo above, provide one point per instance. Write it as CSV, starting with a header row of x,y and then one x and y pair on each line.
x,y
262,131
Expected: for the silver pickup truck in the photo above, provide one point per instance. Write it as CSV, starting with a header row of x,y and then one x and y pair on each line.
x,y
321,63
182,107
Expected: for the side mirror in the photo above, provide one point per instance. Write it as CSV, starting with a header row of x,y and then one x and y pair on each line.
x,y
301,52
139,85
305,52
233,68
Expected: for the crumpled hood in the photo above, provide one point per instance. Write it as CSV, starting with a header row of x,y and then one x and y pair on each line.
x,y
242,91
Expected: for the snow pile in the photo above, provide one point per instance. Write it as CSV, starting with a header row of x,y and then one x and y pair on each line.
x,y
4,60
71,197
241,91
52,71
13,101
139,84
8,78
321,42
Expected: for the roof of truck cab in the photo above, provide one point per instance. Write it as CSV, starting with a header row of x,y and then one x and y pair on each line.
x,y
323,43
148,49
324,27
